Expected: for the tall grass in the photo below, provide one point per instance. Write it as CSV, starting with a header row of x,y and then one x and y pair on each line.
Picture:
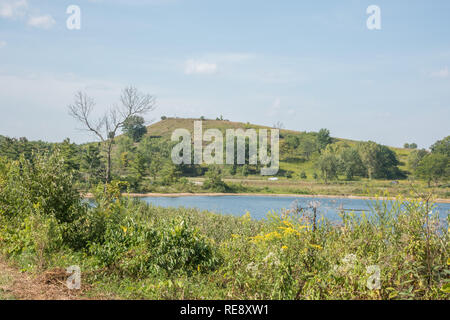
x,y
130,249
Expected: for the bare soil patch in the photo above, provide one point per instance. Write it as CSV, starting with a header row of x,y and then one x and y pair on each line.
x,y
49,285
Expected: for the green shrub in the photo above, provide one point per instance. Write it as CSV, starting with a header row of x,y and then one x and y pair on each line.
x,y
214,180
41,190
138,250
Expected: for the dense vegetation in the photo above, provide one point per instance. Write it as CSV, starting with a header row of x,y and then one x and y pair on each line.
x,y
127,249
141,158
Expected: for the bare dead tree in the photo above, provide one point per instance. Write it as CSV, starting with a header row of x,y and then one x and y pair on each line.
x,y
278,125
132,103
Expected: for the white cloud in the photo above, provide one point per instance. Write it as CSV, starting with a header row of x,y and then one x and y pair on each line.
x,y
2,44
13,8
19,9
443,73
44,21
200,67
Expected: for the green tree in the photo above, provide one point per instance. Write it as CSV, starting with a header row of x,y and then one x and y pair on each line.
x,y
214,180
139,165
415,157
44,184
292,142
134,127
70,153
434,167
323,139
170,174
92,164
308,145
387,164
328,164
442,146
380,161
368,154
351,164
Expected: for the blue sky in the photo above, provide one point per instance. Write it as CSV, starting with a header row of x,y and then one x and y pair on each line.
x,y
308,64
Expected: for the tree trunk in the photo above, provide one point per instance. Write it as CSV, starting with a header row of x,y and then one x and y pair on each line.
x,y
108,163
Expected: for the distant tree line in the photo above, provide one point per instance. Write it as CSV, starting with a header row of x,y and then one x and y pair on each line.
x,y
365,159
144,161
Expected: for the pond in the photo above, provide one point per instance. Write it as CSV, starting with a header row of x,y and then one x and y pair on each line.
x,y
259,206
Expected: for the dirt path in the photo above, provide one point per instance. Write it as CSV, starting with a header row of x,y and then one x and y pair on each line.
x,y
49,285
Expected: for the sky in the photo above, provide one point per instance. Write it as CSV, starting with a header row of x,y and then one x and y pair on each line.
x,y
306,64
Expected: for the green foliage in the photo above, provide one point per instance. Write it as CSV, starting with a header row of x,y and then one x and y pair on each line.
x,y
415,157
170,174
39,204
442,146
434,167
92,165
134,250
214,180
12,148
323,139
380,161
141,249
308,145
410,145
134,127
328,164
45,182
351,164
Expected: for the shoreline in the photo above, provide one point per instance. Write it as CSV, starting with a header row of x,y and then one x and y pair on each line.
x,y
286,195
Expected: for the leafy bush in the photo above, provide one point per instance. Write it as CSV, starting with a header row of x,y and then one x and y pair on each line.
x,y
138,250
41,189
214,180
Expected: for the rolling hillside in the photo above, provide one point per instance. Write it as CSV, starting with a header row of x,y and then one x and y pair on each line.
x,y
288,163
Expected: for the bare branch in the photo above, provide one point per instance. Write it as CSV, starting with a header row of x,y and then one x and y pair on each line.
x,y
81,111
135,103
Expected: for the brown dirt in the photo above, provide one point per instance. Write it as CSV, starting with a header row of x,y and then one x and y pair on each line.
x,y
49,285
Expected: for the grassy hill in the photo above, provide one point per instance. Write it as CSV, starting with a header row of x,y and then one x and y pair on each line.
x,y
288,162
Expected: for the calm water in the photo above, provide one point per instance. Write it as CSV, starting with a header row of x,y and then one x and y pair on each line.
x,y
259,206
